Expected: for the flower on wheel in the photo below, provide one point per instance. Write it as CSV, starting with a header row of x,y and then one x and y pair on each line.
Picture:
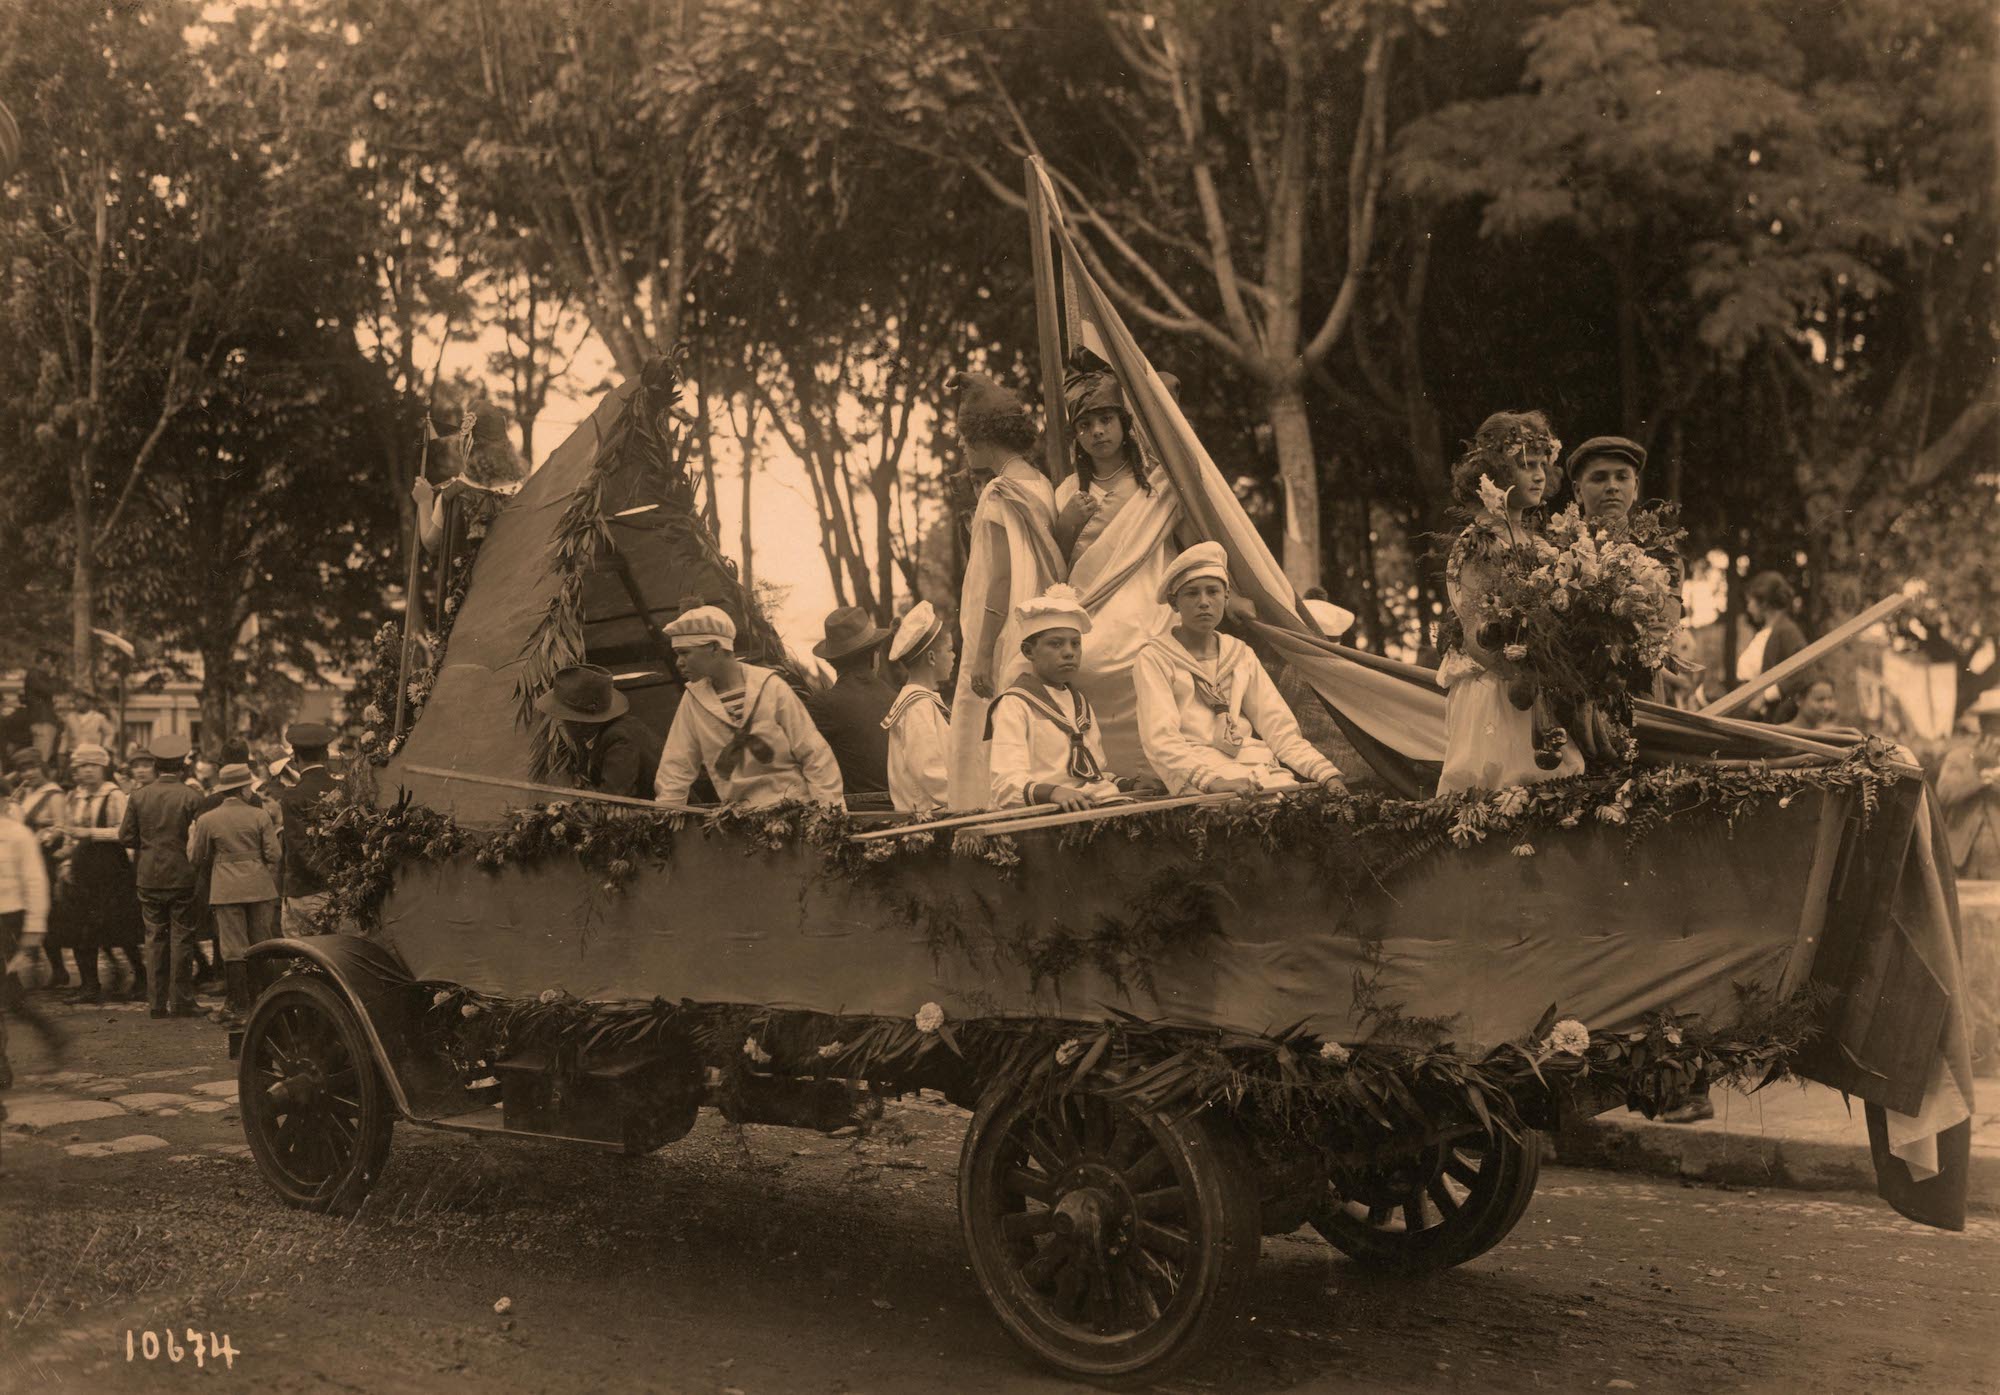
x,y
929,1018
1570,1037
1334,1054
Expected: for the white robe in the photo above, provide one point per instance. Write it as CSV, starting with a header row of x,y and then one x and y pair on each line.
x,y
919,751
1011,537
801,766
1186,739
1031,745
1119,575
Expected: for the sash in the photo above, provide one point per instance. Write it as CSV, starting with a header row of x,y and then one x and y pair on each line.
x,y
1015,497
1128,541
1082,764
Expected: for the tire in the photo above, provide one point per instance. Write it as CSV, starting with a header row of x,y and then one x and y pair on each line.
x,y
1447,1204
316,1111
1111,1243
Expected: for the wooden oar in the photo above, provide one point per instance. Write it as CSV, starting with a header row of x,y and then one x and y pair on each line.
x,y
1103,811
1742,697
557,790
956,821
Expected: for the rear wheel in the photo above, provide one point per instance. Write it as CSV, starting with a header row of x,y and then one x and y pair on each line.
x,y
1442,1206
1111,1243
316,1111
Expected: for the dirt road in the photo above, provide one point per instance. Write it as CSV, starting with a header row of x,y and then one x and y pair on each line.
x,y
779,1261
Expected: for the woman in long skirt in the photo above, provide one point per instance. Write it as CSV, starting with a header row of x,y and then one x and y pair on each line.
x,y
96,902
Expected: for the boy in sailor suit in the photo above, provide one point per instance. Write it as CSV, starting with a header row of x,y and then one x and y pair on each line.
x,y
919,724
1046,748
1210,719
741,724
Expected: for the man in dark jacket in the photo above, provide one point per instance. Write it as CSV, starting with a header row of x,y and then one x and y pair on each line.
x,y
611,751
157,819
849,714
304,888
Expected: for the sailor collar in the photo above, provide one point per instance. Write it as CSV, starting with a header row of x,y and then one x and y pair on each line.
x,y
913,695
754,681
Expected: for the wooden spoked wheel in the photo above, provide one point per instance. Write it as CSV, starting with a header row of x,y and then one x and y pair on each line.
x,y
316,1112
1439,1207
1110,1242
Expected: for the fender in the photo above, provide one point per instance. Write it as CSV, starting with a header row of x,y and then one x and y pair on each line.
x,y
375,982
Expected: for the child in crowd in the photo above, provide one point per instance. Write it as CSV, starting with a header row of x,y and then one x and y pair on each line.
x,y
1210,717
741,724
919,724
1046,748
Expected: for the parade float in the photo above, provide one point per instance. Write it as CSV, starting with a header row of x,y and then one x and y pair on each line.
x,y
1177,1026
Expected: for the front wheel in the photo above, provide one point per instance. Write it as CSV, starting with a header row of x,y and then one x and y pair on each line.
x,y
316,1111
1446,1204
1110,1242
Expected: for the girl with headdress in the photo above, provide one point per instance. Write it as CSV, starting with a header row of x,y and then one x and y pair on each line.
x,y
478,469
1503,477
1210,717
1117,516
1011,556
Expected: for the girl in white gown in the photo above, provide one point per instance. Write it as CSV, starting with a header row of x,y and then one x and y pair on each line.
x,y
1011,557
1117,517
1489,742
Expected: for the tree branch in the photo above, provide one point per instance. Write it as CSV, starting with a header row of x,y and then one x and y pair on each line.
x,y
1364,183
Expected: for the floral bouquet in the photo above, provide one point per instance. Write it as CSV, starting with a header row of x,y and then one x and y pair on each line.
x,y
1581,617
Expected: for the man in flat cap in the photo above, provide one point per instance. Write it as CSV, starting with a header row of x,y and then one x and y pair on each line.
x,y
1606,472
304,889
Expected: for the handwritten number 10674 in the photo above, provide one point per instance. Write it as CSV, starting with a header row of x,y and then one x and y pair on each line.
x,y
152,1346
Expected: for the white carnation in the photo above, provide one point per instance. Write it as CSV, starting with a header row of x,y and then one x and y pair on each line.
x,y
1570,1037
1333,1053
929,1017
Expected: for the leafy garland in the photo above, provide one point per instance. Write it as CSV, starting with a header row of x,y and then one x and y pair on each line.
x,y
1292,1084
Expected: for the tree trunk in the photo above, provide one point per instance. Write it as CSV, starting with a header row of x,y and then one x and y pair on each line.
x,y
1628,346
885,550
749,458
83,580
1285,407
217,701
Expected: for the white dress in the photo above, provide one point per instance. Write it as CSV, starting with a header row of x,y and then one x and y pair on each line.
x,y
1011,537
1121,560
1204,722
1489,743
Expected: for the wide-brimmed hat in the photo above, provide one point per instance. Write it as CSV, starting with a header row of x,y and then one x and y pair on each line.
x,y
90,754
849,630
916,632
583,693
1058,608
232,777
1204,559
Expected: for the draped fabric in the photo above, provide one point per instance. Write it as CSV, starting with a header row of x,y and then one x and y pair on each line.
x,y
1118,575
1011,541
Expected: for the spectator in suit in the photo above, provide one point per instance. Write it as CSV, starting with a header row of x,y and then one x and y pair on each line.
x,y
236,846
157,819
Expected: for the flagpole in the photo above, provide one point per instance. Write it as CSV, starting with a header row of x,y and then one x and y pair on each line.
x,y
1048,324
410,584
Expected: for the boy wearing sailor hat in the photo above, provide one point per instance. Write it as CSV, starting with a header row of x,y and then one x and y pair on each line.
x,y
741,723
919,724
1210,718
1046,746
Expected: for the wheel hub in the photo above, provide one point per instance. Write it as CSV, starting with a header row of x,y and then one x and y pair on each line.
x,y
1094,1211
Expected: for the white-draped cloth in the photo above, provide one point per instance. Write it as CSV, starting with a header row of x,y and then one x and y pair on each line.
x,y
1118,573
1011,537
1191,745
919,750
796,763
1034,738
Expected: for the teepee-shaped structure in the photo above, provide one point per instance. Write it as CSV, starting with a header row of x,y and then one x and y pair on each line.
x,y
600,548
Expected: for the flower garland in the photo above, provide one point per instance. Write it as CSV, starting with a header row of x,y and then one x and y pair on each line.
x,y
1293,1084
375,687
